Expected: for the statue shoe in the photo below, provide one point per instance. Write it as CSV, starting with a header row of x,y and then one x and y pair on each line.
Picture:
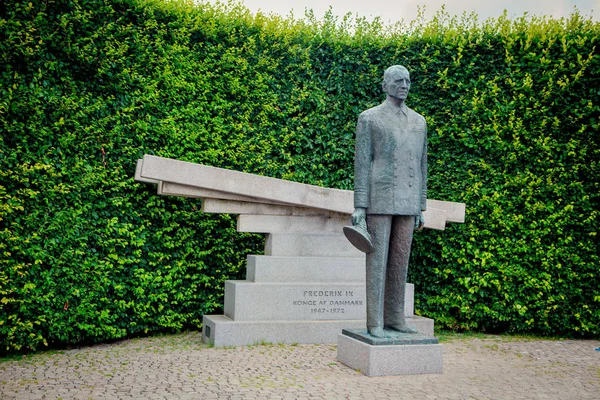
x,y
376,331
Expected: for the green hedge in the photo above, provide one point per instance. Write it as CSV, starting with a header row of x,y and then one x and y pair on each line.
x,y
89,86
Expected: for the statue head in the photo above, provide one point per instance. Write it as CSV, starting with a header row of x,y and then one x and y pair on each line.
x,y
396,82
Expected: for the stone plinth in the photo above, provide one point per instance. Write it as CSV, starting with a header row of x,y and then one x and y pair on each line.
x,y
291,224
221,331
401,355
262,268
252,301
310,245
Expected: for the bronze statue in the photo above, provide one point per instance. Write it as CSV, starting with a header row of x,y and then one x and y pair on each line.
x,y
390,192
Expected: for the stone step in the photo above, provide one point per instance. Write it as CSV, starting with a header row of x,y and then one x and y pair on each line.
x,y
221,331
221,206
251,301
310,244
292,224
305,269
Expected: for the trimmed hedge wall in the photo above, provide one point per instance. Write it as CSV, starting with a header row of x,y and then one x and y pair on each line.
x,y
89,86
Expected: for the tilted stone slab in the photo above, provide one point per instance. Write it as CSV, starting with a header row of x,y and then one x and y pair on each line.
x,y
294,193
251,301
310,245
305,269
221,331
176,189
226,203
219,206
179,178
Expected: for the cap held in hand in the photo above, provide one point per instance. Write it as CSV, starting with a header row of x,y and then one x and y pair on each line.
x,y
359,237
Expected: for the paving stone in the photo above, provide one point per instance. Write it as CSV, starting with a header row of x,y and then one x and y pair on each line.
x,y
180,367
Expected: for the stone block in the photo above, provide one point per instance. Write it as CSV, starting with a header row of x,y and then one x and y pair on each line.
x,y
310,245
455,212
219,206
138,174
291,224
390,360
250,301
221,331
434,219
305,269
422,325
176,189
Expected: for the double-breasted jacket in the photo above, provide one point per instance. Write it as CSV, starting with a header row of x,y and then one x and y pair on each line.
x,y
390,165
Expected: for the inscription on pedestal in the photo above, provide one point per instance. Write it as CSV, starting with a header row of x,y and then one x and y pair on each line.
x,y
329,302
252,301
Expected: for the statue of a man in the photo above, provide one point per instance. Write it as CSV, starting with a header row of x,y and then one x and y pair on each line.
x,y
390,192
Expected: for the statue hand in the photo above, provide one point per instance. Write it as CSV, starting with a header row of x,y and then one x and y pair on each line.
x,y
419,222
359,216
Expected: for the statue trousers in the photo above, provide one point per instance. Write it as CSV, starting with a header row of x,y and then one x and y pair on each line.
x,y
387,267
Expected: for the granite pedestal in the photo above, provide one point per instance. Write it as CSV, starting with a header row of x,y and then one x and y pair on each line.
x,y
297,299
402,354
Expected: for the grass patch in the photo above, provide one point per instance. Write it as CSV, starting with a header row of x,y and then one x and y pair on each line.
x,y
448,335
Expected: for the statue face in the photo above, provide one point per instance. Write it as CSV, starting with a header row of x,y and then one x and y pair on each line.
x,y
396,83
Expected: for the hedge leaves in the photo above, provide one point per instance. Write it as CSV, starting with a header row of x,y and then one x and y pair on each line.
x,y
87,87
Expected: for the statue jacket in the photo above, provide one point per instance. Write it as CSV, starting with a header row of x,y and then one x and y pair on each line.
x,y
390,164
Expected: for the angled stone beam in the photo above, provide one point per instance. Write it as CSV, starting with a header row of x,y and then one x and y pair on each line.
x,y
181,178
138,173
436,215
216,202
221,206
262,187
176,189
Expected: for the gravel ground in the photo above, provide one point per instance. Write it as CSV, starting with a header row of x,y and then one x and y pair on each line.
x,y
181,367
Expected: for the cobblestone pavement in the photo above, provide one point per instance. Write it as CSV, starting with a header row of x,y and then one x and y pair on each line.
x,y
181,367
